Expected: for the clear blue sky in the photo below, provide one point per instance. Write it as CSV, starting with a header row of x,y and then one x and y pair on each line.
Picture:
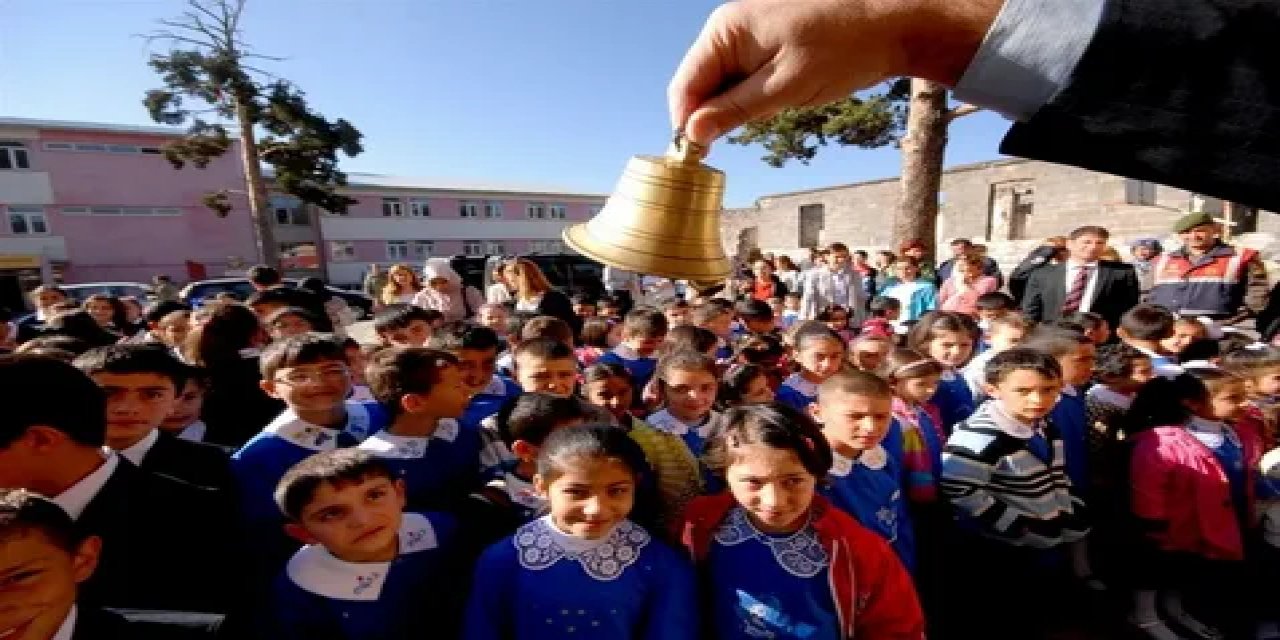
x,y
550,91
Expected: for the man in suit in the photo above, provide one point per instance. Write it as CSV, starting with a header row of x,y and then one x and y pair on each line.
x,y
960,247
1082,283
163,541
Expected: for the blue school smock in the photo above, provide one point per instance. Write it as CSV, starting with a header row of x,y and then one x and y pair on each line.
x,y
769,586
488,401
318,593
797,393
543,584
870,489
640,367
1071,417
439,470
953,399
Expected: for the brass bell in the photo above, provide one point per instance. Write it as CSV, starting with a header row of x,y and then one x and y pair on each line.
x,y
662,219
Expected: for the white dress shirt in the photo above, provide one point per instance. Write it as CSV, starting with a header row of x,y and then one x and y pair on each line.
x,y
68,628
137,451
77,498
1090,287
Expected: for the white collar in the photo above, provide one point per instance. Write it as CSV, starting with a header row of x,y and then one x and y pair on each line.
x,y
1070,390
77,498
385,444
1080,265
68,629
315,437
1009,424
194,431
874,458
626,352
496,387
664,421
541,545
798,382
1107,396
316,570
137,451
520,491
251,352
948,374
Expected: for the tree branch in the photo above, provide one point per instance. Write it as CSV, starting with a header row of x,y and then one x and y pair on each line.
x,y
960,111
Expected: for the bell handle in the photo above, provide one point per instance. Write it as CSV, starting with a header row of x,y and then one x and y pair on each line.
x,y
686,151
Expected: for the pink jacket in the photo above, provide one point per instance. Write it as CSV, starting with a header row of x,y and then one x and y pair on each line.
x,y
1177,480
950,298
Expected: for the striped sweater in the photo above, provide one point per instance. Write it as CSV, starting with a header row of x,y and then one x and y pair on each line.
x,y
996,482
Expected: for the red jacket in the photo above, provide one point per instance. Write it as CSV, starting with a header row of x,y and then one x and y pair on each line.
x,y
1178,481
872,591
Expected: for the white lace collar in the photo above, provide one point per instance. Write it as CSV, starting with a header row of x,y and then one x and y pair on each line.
x,y
316,570
799,383
664,421
520,491
1070,390
799,554
948,374
315,437
1110,397
626,352
541,545
496,387
874,458
1009,424
385,444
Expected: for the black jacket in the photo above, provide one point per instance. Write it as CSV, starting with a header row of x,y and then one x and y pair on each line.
x,y
202,465
236,408
1116,292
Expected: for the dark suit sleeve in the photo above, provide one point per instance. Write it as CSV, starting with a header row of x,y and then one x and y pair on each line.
x,y
1033,296
1128,289
1178,92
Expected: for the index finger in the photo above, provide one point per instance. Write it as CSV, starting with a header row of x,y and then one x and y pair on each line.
x,y
703,71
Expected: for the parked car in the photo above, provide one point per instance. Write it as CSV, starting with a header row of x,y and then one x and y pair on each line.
x,y
79,292
197,292
570,273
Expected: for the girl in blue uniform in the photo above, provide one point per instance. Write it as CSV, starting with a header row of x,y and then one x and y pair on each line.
x,y
584,570
687,385
948,337
819,353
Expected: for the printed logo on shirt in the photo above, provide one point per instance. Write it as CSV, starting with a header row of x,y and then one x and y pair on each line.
x,y
762,619
363,583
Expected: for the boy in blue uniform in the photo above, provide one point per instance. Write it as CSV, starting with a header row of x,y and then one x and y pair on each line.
x,y
423,392
476,349
643,331
405,325
368,571
716,315
855,410
309,373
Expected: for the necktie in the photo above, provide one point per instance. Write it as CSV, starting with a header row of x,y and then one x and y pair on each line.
x,y
1076,295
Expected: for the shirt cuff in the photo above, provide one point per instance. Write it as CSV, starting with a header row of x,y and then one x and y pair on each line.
x,y
1029,55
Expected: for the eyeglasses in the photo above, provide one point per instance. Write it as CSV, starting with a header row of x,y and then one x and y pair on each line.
x,y
298,378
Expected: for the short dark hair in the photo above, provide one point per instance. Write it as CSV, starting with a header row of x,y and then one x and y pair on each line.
x,y
1089,230
964,241
855,382
1204,349
295,351
399,371
23,511
1055,341
55,342
995,301
156,311
1014,320
1116,361
645,323
456,336
690,337
36,391
336,468
547,327
544,349
531,417
776,426
595,332
400,316
589,441
684,360
1087,319
310,318
882,304
707,312
264,276
1147,322
758,349
754,310
811,331
609,301
583,299
135,358
1008,361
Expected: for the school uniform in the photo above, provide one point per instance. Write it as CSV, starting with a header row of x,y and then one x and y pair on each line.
x,y
1071,417
543,584
869,488
953,400
200,464
489,401
438,470
194,432
320,596
361,393
921,442
640,367
496,510
797,392
724,351
157,533
694,435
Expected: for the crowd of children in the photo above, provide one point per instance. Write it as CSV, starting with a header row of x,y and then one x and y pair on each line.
x,y
710,469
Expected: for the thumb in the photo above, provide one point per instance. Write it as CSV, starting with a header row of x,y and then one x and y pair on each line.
x,y
756,97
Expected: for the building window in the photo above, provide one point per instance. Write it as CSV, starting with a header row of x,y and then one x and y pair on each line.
x,y
1139,192
397,250
291,212
27,220
471,248
469,210
813,219
545,246
94,147
122,211
556,211
493,209
299,255
13,155
423,248
494,248
419,208
392,207
535,210
342,251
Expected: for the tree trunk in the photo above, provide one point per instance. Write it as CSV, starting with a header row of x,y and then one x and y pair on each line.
x,y
263,234
923,147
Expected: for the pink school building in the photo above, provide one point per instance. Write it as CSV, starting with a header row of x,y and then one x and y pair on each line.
x,y
86,202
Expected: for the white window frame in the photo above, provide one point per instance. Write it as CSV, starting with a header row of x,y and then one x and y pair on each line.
x,y
494,248
397,249
472,248
419,208
468,209
557,211
16,155
392,207
535,210
30,214
423,249
342,250
122,211
493,209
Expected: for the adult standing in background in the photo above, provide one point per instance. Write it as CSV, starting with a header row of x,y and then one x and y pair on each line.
x,y
1052,251
402,285
1085,282
375,280
535,294
788,273
1144,252
961,247
835,283
966,282
446,292
915,250
1208,277
500,291
623,285
163,289
765,284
